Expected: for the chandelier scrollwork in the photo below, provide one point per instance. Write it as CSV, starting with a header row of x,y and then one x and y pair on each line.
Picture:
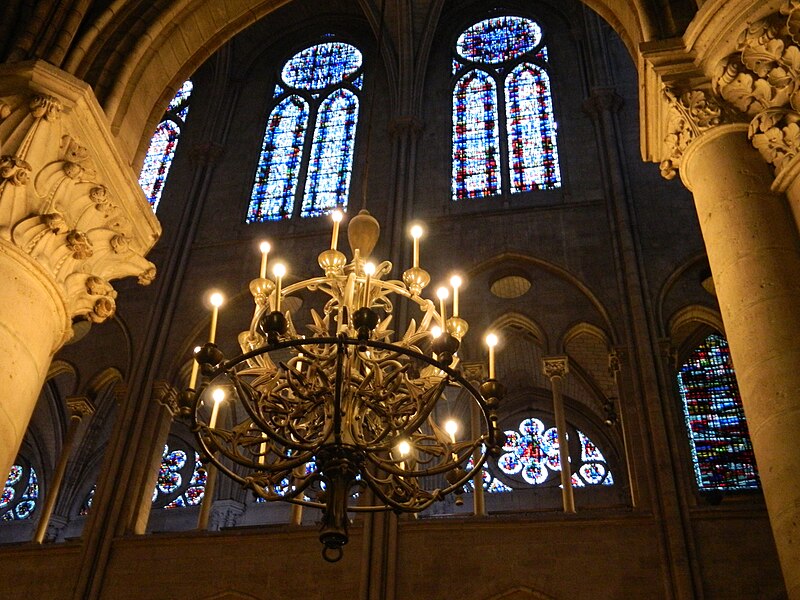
x,y
345,419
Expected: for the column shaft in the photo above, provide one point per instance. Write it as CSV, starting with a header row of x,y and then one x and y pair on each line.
x,y
754,253
567,495
33,324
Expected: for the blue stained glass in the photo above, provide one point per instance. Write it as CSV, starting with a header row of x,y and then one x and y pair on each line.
x,y
175,470
158,160
328,180
358,82
499,39
475,137
321,66
278,91
87,503
719,440
162,147
532,453
532,152
182,96
24,491
279,164
542,53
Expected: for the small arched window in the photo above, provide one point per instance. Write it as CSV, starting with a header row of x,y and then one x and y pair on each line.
x,y
504,131
20,493
161,151
307,154
722,454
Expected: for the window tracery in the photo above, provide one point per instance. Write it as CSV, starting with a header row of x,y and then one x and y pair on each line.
x,y
181,479
161,151
20,493
722,454
318,92
502,141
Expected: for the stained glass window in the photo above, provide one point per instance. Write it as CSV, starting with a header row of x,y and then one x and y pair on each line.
x,y
502,53
531,455
161,151
181,479
317,93
87,502
20,493
720,443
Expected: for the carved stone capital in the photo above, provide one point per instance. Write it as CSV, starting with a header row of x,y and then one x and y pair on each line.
x,y
762,80
225,513
166,395
80,406
406,125
690,114
555,366
67,198
474,371
615,358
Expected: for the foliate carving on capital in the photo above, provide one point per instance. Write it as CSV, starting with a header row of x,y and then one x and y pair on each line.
x,y
762,80
690,114
54,208
555,366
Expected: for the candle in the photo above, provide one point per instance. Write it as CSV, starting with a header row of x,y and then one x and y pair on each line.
x,y
337,216
265,248
279,270
216,300
442,293
455,281
369,269
195,368
218,395
262,450
403,448
491,341
416,233
451,427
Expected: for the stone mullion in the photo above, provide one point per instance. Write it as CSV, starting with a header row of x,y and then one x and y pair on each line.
x,y
652,439
162,406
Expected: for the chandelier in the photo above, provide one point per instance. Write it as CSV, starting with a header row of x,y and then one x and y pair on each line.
x,y
345,418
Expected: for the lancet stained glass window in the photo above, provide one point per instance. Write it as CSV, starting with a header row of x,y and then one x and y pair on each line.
x,y
307,154
502,53
162,147
20,493
720,443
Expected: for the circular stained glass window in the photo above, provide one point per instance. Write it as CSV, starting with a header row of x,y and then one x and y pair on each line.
x,y
321,66
499,39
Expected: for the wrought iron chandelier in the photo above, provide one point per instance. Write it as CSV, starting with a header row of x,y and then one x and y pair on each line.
x,y
344,419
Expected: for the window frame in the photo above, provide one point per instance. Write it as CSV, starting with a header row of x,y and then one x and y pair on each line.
x,y
313,99
499,72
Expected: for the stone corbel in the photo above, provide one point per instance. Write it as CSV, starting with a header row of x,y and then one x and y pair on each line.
x,y
67,199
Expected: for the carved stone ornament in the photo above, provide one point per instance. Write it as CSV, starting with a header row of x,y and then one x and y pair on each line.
x,y
762,80
555,366
57,197
690,114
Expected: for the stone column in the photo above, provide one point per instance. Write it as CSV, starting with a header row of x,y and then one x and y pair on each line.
x,y
556,368
754,252
79,407
71,218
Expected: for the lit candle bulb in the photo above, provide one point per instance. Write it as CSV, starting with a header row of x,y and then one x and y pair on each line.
x,y
216,300
416,233
218,395
195,368
369,269
456,282
279,271
491,341
451,427
265,248
403,448
337,216
443,293
262,450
